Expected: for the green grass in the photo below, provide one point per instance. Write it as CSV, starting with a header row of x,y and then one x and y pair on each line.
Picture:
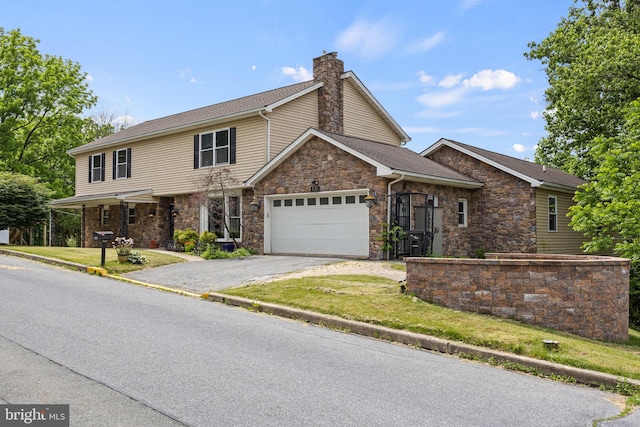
x,y
378,301
92,257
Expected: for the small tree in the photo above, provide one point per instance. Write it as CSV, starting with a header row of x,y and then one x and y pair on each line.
x,y
214,193
23,201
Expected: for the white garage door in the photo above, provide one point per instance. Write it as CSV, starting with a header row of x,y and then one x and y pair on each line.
x,y
319,224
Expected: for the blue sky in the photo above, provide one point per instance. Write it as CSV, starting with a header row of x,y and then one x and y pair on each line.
x,y
452,69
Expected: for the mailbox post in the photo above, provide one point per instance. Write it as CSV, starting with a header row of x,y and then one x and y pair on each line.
x,y
103,237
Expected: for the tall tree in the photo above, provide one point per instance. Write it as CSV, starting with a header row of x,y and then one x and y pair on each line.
x,y
592,62
42,98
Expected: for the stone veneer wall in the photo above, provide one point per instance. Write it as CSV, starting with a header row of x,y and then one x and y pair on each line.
x,y
502,214
334,169
328,69
583,295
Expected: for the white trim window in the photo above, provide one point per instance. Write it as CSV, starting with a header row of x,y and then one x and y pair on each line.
x,y
553,213
122,163
462,212
215,148
104,216
224,217
96,168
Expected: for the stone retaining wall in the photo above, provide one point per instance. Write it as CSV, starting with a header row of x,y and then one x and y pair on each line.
x,y
583,295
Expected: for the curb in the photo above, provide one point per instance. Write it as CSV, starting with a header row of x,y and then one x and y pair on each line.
x,y
582,376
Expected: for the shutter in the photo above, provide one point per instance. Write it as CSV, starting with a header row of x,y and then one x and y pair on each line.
x,y
196,151
128,162
115,159
232,145
90,165
102,166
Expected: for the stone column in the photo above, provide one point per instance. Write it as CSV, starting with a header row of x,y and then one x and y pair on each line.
x,y
328,69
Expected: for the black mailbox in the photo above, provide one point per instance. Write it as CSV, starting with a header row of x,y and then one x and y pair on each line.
x,y
103,236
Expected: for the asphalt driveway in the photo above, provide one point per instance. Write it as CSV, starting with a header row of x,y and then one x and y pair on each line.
x,y
212,275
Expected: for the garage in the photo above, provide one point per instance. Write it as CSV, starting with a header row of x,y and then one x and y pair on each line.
x,y
335,223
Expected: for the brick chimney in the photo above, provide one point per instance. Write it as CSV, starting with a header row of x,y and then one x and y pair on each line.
x,y
328,69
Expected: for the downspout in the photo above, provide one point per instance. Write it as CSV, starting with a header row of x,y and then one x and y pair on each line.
x,y
268,135
389,206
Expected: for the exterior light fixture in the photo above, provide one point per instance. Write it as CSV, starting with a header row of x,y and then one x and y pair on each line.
x,y
315,186
175,212
254,205
370,200
152,213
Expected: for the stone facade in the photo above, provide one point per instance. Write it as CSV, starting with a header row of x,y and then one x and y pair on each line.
x,y
328,69
502,215
334,169
583,295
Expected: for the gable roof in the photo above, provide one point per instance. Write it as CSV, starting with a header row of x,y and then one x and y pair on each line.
x,y
390,161
217,112
533,173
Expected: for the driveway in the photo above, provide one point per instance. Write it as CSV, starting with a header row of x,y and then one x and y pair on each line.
x,y
212,275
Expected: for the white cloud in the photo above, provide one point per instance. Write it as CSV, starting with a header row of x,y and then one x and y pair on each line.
x,y
424,77
368,39
298,74
534,115
182,73
125,120
450,81
194,81
489,79
519,148
427,44
88,77
253,67
441,99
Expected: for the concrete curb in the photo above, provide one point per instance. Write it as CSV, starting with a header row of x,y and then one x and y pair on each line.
x,y
582,376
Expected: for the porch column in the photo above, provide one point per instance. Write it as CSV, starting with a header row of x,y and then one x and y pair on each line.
x,y
83,225
53,215
124,216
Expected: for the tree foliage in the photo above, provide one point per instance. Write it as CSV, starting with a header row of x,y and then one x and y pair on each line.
x,y
41,100
23,201
592,62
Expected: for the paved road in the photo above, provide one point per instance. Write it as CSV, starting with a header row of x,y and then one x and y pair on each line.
x,y
213,275
167,359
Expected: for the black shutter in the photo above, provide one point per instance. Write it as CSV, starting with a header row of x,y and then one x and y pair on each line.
x,y
115,159
90,165
102,166
128,162
232,145
196,151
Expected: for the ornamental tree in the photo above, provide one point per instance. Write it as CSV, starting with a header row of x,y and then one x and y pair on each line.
x,y
23,201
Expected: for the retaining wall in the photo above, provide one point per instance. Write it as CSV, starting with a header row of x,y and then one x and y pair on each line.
x,y
583,295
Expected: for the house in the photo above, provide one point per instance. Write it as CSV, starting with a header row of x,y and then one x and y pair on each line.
x,y
316,168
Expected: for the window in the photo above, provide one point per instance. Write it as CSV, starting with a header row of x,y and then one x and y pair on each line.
x,y
462,212
277,203
214,148
324,200
96,168
104,216
311,201
336,200
132,216
225,217
350,200
553,213
299,202
122,163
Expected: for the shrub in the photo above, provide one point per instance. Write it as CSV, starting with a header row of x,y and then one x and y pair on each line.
x,y
207,238
634,295
136,257
189,247
184,236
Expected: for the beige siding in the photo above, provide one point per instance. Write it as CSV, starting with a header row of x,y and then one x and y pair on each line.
x,y
563,241
291,120
165,164
362,120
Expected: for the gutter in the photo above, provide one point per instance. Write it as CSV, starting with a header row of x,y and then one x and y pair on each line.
x,y
268,135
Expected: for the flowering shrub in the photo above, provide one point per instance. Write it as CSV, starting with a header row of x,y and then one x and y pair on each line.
x,y
122,245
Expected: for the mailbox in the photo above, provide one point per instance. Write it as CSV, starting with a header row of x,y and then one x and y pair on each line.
x,y
103,236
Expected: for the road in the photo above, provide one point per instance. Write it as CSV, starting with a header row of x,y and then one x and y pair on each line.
x,y
126,355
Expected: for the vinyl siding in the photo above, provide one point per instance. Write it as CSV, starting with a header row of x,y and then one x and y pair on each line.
x,y
291,120
363,121
563,241
165,164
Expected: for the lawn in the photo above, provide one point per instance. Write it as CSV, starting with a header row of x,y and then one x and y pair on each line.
x,y
92,257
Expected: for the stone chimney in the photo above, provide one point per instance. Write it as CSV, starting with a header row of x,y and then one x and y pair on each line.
x,y
328,69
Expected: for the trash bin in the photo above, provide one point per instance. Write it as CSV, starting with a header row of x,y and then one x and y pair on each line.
x,y
227,247
416,243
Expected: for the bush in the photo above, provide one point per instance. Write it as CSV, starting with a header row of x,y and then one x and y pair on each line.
x,y
136,257
207,238
634,295
184,236
189,247
217,253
